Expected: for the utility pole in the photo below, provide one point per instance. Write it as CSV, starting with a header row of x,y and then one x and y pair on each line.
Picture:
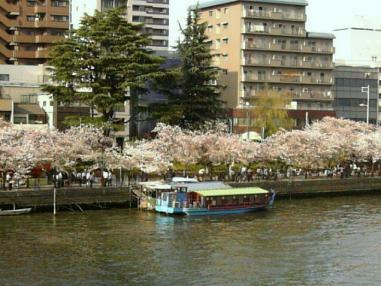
x,y
367,90
248,120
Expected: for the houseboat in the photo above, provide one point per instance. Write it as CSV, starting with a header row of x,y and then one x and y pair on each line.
x,y
213,201
147,192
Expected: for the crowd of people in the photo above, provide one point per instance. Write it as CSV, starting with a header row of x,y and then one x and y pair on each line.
x,y
106,178
62,179
248,174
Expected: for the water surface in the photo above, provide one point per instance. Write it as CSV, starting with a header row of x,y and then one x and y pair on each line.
x,y
332,241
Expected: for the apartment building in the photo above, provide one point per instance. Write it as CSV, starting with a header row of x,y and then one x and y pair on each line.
x,y
154,14
22,100
29,27
265,43
20,87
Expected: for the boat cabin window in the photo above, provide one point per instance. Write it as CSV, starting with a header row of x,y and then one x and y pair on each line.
x,y
181,189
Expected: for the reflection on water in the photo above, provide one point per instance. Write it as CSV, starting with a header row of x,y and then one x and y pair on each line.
x,y
316,242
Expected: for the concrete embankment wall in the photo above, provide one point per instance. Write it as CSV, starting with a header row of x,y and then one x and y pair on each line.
x,y
319,187
66,196
123,196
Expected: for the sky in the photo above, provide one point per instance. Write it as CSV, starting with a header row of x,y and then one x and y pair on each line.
x,y
322,15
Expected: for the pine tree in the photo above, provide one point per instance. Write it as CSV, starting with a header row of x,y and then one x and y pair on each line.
x,y
192,89
103,63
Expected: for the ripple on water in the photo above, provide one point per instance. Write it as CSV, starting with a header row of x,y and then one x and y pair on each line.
x,y
308,242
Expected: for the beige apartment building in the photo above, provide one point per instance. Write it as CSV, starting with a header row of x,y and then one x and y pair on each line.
x,y
154,14
265,43
22,100
29,27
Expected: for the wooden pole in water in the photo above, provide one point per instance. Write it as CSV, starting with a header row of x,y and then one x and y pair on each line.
x,y
54,201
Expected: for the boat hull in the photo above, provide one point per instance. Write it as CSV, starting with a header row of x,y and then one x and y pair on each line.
x,y
206,212
15,212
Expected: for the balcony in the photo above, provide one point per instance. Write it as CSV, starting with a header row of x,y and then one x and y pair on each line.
x,y
10,23
12,9
44,23
287,48
58,10
312,96
275,31
297,95
28,38
292,78
21,54
42,54
5,36
46,9
286,16
286,63
48,38
5,52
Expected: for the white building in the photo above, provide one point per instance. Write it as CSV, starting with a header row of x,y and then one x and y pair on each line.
x,y
46,103
359,43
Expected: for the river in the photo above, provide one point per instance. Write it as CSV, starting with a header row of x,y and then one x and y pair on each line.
x,y
331,241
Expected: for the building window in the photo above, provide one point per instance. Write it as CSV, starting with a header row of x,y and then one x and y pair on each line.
x,y
19,119
31,18
31,3
4,77
210,13
59,18
226,10
62,3
225,40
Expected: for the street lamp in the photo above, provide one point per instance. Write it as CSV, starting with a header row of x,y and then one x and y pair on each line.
x,y
248,119
367,90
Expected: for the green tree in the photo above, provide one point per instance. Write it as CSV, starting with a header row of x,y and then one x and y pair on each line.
x,y
192,89
103,63
270,111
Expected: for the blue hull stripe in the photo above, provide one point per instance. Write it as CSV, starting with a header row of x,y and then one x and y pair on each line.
x,y
204,211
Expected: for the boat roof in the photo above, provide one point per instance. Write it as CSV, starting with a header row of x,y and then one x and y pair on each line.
x,y
183,180
217,185
232,192
155,185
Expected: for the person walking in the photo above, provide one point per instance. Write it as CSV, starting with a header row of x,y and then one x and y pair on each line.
x,y
109,179
9,181
91,178
105,178
88,178
60,179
